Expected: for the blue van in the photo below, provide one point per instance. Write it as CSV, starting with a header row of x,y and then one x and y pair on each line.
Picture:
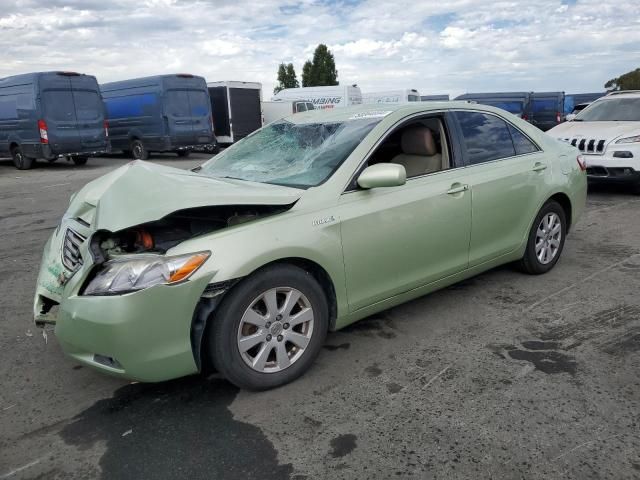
x,y
163,113
48,115
518,103
547,109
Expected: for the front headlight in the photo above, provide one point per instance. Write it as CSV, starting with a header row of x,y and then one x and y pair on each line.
x,y
635,139
137,272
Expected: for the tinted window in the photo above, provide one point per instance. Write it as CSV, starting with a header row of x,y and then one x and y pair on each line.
x,y
88,105
544,106
511,107
178,103
131,105
310,106
199,101
301,107
521,142
486,137
58,104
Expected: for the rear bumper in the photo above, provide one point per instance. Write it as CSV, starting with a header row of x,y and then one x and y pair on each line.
x,y
52,152
172,144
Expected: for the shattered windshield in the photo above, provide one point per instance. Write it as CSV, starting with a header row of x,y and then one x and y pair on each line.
x,y
295,155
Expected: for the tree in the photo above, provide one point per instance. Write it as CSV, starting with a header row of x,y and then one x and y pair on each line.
x,y
628,81
306,74
322,70
286,77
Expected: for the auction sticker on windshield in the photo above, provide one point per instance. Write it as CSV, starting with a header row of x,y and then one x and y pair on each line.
x,y
371,114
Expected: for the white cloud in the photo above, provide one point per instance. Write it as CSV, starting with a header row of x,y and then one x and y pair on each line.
x,y
435,46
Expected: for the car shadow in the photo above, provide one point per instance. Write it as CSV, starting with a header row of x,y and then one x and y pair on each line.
x,y
177,429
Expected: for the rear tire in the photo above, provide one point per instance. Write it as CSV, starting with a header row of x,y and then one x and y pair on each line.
x,y
183,153
289,338
80,160
20,160
138,150
546,240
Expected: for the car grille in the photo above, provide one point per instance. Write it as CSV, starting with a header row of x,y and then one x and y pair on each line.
x,y
586,145
71,257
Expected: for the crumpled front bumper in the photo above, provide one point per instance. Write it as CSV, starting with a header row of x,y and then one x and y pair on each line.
x,y
142,335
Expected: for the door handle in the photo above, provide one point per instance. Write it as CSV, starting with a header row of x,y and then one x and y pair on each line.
x,y
539,167
457,188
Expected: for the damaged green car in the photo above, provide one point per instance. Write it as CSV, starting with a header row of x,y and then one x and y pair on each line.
x,y
307,225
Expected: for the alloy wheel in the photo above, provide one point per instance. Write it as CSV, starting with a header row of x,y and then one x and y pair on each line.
x,y
548,238
275,329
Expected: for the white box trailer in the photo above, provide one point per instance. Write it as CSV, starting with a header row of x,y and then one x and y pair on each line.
x,y
236,109
323,97
277,109
392,96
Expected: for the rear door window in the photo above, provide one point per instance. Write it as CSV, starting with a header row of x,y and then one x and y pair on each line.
x,y
199,103
58,105
301,107
521,142
178,103
485,137
544,106
88,105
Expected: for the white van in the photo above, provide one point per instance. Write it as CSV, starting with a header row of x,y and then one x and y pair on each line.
x,y
275,110
323,97
392,96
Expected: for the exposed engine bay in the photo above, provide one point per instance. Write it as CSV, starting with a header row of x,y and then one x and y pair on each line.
x,y
161,235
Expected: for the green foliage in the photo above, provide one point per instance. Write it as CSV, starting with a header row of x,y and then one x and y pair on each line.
x,y
628,81
286,77
322,70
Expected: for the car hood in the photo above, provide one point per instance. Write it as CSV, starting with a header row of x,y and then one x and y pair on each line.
x,y
141,192
597,130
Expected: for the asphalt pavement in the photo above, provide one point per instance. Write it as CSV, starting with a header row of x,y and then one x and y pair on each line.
x,y
503,376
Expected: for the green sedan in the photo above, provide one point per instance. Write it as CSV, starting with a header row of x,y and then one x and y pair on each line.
x,y
307,225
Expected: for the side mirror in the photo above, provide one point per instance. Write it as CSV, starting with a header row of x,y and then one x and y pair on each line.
x,y
383,175
570,117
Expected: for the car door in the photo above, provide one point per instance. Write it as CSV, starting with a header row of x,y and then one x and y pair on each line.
x,y
506,173
399,238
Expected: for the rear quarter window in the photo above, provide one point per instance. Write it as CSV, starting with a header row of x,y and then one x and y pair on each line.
x,y
521,142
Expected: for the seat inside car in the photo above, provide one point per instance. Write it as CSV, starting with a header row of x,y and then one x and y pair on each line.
x,y
419,152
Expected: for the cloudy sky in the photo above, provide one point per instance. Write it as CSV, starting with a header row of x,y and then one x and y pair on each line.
x,y
436,46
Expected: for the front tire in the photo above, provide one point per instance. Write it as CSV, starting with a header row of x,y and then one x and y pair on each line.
x,y
269,329
80,160
546,239
20,160
183,153
138,150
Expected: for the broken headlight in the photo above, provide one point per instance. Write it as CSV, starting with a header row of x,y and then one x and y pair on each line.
x,y
130,273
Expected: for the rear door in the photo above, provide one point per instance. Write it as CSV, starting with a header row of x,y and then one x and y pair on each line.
x,y
200,107
507,174
177,112
89,113
246,114
546,111
56,97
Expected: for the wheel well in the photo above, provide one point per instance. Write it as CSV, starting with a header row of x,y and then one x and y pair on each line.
x,y
205,308
321,276
12,146
565,203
